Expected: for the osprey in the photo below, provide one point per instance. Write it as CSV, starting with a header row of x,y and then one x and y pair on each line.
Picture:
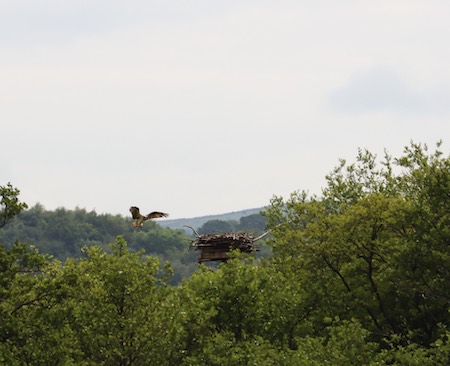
x,y
139,219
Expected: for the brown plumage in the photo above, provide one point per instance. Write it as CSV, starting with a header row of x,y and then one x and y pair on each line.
x,y
139,218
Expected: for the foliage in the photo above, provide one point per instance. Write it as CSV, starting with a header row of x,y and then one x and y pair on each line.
x,y
10,205
63,233
26,302
217,226
254,224
103,309
121,312
358,276
376,245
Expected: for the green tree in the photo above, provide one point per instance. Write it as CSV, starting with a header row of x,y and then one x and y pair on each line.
x,y
63,233
255,223
31,324
10,206
120,310
344,343
374,246
103,309
243,301
217,226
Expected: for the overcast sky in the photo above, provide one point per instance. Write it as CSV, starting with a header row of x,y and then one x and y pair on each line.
x,y
203,107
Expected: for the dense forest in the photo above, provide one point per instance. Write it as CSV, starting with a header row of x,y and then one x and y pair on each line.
x,y
359,275
65,233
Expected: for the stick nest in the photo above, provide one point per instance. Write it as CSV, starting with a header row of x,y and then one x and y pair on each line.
x,y
226,241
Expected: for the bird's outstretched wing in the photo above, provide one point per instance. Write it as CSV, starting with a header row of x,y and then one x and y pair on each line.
x,y
139,219
155,215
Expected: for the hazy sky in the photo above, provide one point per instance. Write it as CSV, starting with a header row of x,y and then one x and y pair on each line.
x,y
203,107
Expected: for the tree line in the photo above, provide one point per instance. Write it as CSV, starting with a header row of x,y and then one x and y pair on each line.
x,y
63,233
359,275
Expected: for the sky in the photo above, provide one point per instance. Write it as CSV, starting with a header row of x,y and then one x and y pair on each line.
x,y
206,107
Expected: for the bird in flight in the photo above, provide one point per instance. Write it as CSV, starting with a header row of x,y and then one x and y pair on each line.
x,y
139,219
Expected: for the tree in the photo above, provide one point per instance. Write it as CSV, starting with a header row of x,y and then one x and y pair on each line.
x,y
10,206
120,309
217,226
253,223
63,233
374,246
27,301
239,302
103,309
358,276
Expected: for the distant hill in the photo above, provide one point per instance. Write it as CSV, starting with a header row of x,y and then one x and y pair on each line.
x,y
197,222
